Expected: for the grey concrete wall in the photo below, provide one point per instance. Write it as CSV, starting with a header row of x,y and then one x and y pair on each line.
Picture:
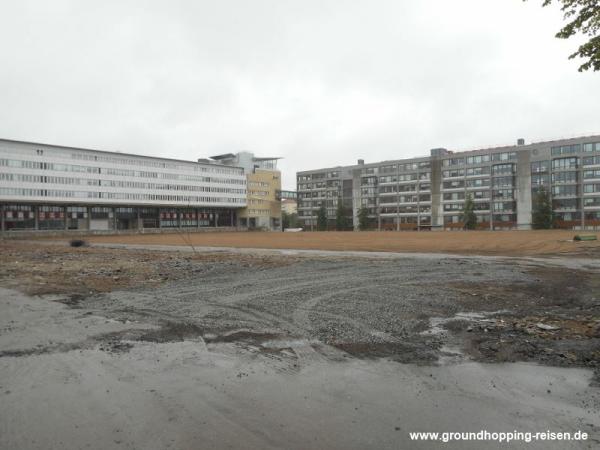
x,y
355,197
523,190
437,209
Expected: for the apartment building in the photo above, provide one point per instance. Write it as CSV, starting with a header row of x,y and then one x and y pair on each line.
x,y
263,210
50,187
429,192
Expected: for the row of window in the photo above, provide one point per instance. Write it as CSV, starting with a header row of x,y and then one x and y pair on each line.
x,y
402,178
319,185
482,206
319,176
480,182
591,202
262,184
406,198
424,209
18,192
37,165
394,168
398,188
469,171
22,178
575,148
259,212
497,218
565,190
478,159
121,160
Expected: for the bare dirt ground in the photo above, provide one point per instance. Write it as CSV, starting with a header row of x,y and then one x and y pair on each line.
x,y
146,349
513,243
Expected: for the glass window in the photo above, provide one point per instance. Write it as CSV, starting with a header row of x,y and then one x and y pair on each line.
x,y
565,163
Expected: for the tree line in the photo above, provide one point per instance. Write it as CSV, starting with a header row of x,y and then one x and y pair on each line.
x,y
542,214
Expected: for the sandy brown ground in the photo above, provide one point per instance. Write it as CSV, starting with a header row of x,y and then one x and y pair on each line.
x,y
513,243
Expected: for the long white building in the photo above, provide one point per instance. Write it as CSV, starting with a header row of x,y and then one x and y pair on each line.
x,y
49,187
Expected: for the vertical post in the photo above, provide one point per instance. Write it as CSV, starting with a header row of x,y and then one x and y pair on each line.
x,y
216,219
231,218
137,216
418,203
178,214
36,217
2,218
580,189
114,211
89,216
491,201
197,218
65,214
397,197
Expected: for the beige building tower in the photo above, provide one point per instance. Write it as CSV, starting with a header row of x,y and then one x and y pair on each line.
x,y
263,211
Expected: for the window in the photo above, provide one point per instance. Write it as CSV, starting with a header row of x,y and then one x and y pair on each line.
x,y
565,163
564,191
479,182
503,169
453,173
505,194
591,161
591,202
591,174
565,204
454,196
473,171
454,162
503,181
540,180
503,206
565,149
589,147
540,166
504,156
478,159
456,184
564,177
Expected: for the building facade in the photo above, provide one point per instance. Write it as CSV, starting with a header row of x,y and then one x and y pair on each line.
x,y
430,192
263,210
48,187
289,202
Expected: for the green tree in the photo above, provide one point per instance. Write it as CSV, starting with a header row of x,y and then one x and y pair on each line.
x,y
289,220
341,221
322,218
468,216
293,220
363,218
285,220
583,17
542,214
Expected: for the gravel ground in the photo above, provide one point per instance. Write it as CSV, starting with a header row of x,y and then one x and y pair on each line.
x,y
287,315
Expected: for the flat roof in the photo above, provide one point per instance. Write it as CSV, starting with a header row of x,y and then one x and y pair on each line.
x,y
111,152
454,154
266,158
223,156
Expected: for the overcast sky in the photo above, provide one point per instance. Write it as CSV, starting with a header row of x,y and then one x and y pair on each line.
x,y
319,83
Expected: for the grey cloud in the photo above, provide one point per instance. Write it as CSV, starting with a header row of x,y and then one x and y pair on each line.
x,y
320,83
